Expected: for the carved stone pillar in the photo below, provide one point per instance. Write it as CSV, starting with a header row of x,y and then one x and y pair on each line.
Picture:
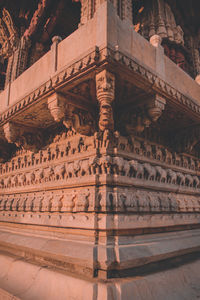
x,y
105,90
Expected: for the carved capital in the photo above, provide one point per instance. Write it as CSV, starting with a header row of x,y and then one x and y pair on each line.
x,y
155,107
56,106
105,91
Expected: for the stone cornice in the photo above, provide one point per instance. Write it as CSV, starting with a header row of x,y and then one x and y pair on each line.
x,y
93,61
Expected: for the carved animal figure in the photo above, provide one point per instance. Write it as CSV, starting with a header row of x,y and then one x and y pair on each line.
x,y
168,156
137,169
161,174
192,164
121,166
121,141
48,173
93,164
171,176
180,178
14,180
39,175
149,172
30,177
189,180
105,163
72,169
177,159
136,146
184,161
21,179
7,182
147,149
59,171
84,167
158,153
196,181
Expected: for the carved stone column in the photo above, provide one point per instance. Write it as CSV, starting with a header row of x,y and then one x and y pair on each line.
x,y
105,90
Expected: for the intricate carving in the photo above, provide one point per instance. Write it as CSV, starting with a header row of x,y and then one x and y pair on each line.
x,y
75,120
8,35
158,19
23,137
143,114
105,90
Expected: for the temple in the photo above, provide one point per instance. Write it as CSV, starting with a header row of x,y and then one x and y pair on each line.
x,y
99,149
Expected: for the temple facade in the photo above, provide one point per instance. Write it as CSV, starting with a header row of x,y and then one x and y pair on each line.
x,y
99,149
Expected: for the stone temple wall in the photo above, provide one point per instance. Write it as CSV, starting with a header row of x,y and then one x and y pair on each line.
x,y
100,171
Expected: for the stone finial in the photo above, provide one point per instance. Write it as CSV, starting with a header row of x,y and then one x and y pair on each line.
x,y
155,40
56,39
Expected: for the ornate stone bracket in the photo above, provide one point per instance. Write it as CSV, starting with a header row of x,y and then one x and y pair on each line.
x,y
144,113
75,119
105,91
23,137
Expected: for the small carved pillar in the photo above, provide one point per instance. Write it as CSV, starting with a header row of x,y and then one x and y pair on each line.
x,y
105,89
54,49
